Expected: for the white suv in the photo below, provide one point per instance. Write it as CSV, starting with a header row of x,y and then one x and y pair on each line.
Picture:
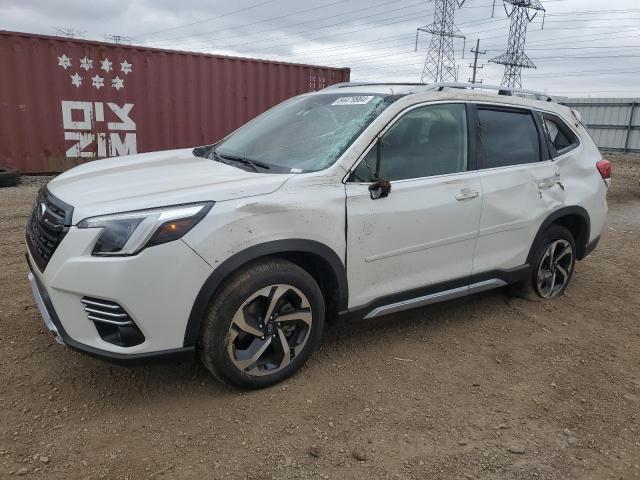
x,y
352,202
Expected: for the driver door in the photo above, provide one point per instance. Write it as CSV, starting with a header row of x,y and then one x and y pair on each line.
x,y
423,233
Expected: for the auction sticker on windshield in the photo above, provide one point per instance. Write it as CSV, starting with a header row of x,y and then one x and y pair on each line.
x,y
353,100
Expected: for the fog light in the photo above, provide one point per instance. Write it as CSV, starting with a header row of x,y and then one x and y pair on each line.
x,y
113,323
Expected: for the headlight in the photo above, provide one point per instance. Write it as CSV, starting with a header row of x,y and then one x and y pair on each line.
x,y
128,233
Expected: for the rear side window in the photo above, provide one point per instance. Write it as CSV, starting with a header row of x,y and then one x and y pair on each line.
x,y
508,137
560,136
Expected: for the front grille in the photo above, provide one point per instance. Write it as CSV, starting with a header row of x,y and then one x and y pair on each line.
x,y
112,322
47,226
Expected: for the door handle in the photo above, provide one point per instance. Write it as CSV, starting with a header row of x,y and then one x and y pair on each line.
x,y
547,183
466,194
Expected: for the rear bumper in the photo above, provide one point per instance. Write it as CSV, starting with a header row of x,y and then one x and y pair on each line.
x,y
54,325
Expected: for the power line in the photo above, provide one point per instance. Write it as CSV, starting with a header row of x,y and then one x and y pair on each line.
x,y
148,34
564,41
264,47
306,30
118,39
318,7
330,34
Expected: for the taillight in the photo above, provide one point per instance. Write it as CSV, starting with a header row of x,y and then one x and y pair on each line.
x,y
604,167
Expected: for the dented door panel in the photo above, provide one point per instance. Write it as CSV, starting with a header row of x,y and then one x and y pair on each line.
x,y
419,235
516,201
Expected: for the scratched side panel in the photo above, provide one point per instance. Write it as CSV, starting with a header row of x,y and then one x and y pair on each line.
x,y
310,206
57,111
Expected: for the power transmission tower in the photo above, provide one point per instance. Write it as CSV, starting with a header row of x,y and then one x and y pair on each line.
x,y
514,59
440,64
118,39
475,66
69,32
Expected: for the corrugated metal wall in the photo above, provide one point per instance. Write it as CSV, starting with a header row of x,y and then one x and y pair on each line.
x,y
614,123
67,101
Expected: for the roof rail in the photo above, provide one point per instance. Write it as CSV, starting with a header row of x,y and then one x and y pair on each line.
x,y
365,84
423,87
502,90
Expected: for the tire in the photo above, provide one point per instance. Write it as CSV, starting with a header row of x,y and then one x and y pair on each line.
x,y
9,177
234,327
540,283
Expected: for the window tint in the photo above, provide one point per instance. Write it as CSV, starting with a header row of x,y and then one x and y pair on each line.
x,y
508,138
560,135
426,141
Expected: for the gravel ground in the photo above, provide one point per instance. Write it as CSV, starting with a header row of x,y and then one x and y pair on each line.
x,y
487,387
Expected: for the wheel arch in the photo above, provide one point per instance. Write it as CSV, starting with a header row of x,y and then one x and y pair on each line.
x,y
319,260
576,220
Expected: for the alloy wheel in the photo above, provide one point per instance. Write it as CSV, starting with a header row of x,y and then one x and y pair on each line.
x,y
269,330
554,271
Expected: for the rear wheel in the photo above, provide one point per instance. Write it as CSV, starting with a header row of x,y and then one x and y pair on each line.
x,y
263,325
552,267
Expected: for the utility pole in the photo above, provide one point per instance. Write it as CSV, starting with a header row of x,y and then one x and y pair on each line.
x,y
514,59
440,64
475,66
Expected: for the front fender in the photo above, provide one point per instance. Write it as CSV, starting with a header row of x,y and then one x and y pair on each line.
x,y
233,263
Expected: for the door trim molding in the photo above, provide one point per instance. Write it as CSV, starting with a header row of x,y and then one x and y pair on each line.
x,y
436,297
423,246
438,292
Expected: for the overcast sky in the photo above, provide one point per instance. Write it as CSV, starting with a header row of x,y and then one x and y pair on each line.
x,y
587,47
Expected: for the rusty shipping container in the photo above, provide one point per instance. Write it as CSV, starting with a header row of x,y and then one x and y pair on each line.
x,y
67,101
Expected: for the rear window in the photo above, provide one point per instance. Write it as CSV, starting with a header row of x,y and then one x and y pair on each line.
x,y
508,137
560,136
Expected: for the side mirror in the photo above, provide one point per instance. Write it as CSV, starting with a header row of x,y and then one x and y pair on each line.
x,y
380,189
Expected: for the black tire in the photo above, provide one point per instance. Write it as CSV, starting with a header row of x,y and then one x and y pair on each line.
x,y
217,332
9,177
529,289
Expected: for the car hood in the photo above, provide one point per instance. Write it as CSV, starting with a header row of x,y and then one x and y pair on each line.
x,y
156,179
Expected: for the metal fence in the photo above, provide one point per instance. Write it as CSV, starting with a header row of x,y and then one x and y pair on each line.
x,y
614,123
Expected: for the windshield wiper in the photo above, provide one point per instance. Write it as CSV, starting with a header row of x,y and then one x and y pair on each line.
x,y
213,155
254,164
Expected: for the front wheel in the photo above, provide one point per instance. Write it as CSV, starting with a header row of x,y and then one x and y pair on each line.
x,y
263,324
552,267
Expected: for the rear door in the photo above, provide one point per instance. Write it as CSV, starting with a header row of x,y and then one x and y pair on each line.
x,y
521,185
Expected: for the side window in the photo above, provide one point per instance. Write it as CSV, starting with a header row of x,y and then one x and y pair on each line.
x,y
560,135
508,137
426,141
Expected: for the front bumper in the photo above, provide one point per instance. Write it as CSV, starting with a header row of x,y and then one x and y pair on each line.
x,y
53,324
156,287
42,307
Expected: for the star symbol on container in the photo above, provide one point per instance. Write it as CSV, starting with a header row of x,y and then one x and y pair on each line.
x,y
125,67
86,63
98,82
64,61
106,65
117,83
76,80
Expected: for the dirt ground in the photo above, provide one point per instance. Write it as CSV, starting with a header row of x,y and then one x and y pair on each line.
x,y
487,387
